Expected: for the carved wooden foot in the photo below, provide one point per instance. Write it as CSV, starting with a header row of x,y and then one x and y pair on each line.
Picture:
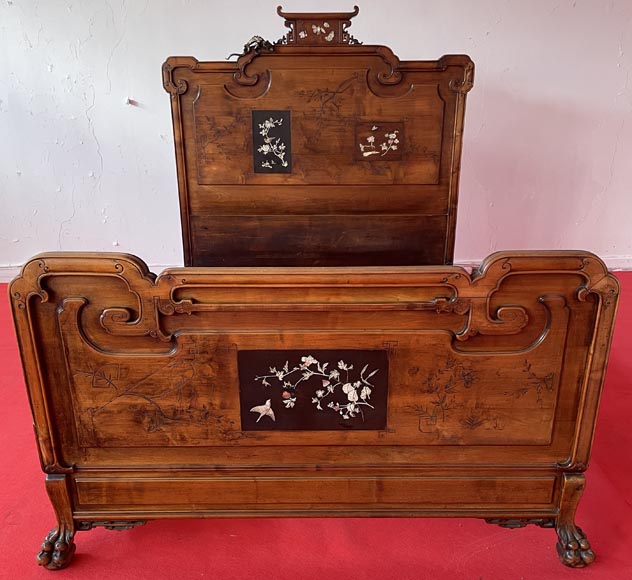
x,y
59,546
572,546
57,550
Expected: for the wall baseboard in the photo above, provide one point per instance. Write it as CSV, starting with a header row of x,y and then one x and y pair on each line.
x,y
615,263
7,273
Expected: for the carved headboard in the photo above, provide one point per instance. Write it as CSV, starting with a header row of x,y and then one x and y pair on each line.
x,y
318,151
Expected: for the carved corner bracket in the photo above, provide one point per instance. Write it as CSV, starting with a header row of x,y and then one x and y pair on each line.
x,y
385,80
607,288
176,87
464,85
245,85
28,283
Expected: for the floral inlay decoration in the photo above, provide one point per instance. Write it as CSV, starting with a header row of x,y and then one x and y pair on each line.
x,y
271,141
379,140
317,390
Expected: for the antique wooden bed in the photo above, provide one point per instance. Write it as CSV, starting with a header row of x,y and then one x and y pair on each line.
x,y
366,391
323,355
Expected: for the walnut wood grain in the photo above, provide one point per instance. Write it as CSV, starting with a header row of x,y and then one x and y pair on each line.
x,y
374,144
489,383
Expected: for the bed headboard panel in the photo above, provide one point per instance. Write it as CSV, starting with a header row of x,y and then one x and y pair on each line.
x,y
318,150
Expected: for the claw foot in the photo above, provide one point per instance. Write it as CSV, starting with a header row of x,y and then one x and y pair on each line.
x,y
57,550
573,547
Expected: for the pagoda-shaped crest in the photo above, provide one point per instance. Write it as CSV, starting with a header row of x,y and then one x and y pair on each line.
x,y
318,28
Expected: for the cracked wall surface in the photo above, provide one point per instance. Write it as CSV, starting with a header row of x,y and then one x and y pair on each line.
x,y
86,146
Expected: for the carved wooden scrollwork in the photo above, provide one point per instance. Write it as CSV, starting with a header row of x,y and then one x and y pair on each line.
x,y
392,75
173,88
464,85
22,289
386,79
606,288
506,320
121,322
177,87
468,296
244,84
242,77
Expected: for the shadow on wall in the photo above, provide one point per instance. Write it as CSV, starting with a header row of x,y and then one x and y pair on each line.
x,y
530,176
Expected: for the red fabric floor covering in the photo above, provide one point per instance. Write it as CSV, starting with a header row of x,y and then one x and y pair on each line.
x,y
322,549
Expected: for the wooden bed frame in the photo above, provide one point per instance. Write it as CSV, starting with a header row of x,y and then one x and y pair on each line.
x,y
392,391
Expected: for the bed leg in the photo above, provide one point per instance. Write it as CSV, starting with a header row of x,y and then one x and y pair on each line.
x,y
59,546
572,546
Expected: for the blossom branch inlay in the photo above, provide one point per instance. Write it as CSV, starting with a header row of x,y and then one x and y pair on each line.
x,y
345,396
272,145
370,147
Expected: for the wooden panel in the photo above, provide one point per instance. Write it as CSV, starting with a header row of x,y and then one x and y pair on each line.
x,y
330,135
486,405
163,371
340,129
320,200
317,492
349,389
316,240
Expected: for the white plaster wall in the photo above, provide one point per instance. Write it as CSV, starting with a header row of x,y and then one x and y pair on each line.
x,y
548,139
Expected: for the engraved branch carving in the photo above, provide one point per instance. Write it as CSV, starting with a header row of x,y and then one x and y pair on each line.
x,y
329,99
541,385
443,387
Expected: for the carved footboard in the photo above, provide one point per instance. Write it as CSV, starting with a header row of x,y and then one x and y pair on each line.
x,y
408,391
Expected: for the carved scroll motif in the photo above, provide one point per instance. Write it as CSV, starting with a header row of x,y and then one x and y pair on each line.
x,y
606,288
468,296
506,320
241,76
173,88
464,85
392,75
385,79
245,85
22,288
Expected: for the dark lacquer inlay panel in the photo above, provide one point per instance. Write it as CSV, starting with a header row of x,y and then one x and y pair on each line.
x,y
313,390
271,141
